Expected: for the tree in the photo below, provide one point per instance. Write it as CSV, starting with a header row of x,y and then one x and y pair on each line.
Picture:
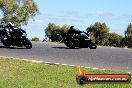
x,y
18,11
65,28
53,32
128,31
129,43
99,31
128,36
114,40
123,42
35,39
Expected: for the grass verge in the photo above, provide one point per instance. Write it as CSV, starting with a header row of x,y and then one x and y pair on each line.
x,y
22,74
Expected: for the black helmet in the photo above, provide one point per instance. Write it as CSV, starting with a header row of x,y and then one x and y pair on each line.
x,y
72,27
11,25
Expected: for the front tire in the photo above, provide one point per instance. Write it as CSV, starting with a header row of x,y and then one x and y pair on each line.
x,y
92,45
27,43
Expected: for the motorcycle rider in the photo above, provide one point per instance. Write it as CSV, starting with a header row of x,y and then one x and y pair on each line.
x,y
74,32
12,29
12,26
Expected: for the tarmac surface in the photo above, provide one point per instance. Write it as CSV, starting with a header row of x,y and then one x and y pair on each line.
x,y
102,57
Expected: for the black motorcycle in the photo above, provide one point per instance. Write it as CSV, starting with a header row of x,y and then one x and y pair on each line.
x,y
1,29
16,37
80,40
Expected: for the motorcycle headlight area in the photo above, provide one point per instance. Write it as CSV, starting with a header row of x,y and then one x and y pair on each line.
x,y
24,34
89,37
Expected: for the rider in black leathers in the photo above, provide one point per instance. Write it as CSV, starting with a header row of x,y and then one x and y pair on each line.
x,y
74,33
72,30
13,31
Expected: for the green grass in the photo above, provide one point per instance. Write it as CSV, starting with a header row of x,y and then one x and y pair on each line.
x,y
22,74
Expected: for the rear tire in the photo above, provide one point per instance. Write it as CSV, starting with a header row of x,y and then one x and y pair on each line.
x,y
6,43
69,44
27,43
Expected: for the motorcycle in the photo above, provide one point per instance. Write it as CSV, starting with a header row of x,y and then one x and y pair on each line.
x,y
17,37
1,29
80,40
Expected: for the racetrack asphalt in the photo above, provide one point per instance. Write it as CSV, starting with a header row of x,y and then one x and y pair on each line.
x,y
102,57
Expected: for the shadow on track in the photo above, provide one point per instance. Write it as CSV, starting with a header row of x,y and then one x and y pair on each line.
x,y
2,47
64,48
13,47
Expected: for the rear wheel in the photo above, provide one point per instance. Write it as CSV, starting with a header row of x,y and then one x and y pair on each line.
x,y
69,44
27,43
6,43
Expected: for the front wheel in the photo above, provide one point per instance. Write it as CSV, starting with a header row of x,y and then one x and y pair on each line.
x,y
92,45
27,43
